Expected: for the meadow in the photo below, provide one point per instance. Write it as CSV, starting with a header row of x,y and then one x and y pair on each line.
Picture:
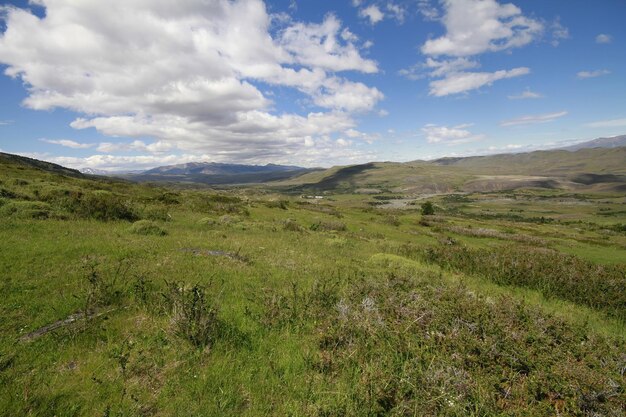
x,y
125,299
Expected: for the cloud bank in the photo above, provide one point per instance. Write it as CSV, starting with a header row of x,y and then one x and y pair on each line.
x,y
192,76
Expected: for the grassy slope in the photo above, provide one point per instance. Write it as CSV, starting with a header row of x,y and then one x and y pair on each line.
x,y
325,322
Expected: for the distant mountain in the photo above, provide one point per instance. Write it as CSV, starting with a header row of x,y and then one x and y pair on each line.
x,y
612,142
213,168
212,173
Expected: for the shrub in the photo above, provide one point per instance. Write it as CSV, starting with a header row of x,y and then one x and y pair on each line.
x,y
102,205
329,225
99,205
7,193
226,219
292,225
25,210
194,315
147,227
207,221
157,213
428,209
280,204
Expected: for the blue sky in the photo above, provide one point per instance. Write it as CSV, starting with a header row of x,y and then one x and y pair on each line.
x,y
124,84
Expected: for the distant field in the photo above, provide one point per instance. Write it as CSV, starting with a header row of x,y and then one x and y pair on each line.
x,y
122,299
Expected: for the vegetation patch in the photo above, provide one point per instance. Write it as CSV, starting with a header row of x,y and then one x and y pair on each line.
x,y
552,273
147,227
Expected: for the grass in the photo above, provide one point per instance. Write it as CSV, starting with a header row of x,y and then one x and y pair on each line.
x,y
257,303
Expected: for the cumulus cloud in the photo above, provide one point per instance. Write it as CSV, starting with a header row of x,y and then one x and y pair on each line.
x,y
188,76
68,143
473,27
604,38
592,74
477,26
533,119
525,95
608,123
455,135
372,13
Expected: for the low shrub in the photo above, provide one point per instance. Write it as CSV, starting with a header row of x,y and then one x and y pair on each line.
x,y
26,210
207,221
328,226
279,204
99,204
157,213
147,227
292,225
415,345
552,273
194,315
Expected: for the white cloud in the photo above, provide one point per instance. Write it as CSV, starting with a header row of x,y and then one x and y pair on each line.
x,y
592,74
455,135
473,27
533,119
135,146
608,123
183,77
428,11
68,143
477,26
460,82
372,13
559,32
604,38
5,122
527,94
396,11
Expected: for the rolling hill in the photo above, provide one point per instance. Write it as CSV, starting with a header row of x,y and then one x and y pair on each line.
x,y
600,169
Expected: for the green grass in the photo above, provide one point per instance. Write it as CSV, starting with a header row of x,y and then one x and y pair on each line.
x,y
246,302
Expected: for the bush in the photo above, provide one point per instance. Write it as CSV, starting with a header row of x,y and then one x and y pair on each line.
x,y
280,204
157,213
428,209
99,205
207,221
194,315
147,227
25,210
328,226
292,226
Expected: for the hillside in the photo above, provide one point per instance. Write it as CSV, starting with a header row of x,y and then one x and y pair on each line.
x,y
121,298
541,169
10,159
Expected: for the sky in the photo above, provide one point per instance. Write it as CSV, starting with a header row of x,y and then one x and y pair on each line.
x,y
133,84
